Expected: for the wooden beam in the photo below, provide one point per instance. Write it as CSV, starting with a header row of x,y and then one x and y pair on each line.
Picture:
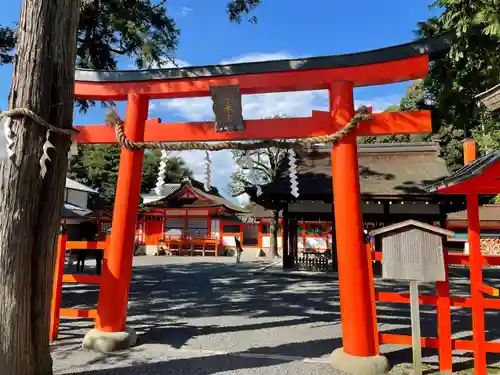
x,y
298,80
318,124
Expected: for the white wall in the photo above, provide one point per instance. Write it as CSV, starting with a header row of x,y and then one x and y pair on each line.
x,y
77,197
266,242
215,228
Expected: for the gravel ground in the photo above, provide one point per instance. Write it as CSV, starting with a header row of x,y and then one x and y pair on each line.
x,y
201,316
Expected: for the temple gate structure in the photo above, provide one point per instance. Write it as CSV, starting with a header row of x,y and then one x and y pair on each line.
x,y
339,75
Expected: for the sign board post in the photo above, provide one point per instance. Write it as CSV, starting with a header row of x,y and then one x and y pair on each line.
x,y
412,251
415,328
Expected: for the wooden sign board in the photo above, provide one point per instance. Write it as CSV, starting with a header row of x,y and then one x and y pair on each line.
x,y
227,108
412,251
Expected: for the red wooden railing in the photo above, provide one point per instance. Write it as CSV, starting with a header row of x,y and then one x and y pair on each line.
x,y
443,301
60,277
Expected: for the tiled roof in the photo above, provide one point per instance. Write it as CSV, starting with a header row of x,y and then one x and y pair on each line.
x,y
72,211
385,170
212,198
471,170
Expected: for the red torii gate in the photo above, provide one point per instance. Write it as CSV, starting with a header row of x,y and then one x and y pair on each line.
x,y
337,74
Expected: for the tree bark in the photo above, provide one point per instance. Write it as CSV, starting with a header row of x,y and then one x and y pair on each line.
x,y
43,81
274,233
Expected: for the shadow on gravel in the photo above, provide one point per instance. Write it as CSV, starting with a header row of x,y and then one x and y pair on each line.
x,y
215,364
163,298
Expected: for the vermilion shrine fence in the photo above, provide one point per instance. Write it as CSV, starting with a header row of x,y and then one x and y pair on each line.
x,y
60,277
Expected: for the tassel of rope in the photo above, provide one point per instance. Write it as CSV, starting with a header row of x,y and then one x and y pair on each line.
x,y
208,172
162,172
292,172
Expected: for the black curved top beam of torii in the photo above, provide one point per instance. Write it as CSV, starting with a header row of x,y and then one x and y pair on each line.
x,y
434,47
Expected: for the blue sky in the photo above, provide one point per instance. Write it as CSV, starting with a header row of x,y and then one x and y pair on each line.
x,y
285,29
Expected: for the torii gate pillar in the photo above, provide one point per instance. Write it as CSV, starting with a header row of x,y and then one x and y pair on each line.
x,y
111,332
359,353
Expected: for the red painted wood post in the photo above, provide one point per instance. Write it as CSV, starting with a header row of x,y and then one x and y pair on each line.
x,y
476,282
118,256
469,150
55,312
444,320
373,297
358,331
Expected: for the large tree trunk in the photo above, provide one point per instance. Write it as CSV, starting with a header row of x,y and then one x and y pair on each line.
x,y
274,233
43,81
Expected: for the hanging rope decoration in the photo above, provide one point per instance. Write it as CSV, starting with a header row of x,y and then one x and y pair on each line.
x,y
45,156
292,172
162,172
208,172
10,136
114,120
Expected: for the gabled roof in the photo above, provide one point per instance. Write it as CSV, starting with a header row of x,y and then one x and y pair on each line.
x,y
412,224
479,176
210,199
75,185
385,169
167,189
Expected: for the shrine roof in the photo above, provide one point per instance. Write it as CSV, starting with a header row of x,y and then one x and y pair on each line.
x,y
479,176
385,170
433,47
75,185
491,98
72,211
172,197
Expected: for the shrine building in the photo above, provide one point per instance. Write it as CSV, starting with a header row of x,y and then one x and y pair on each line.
x,y
393,178
186,216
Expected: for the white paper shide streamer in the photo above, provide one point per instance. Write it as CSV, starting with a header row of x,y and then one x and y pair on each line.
x,y
292,171
252,178
208,171
162,172
45,156
9,137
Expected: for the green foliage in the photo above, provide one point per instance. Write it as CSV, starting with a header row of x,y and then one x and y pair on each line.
x,y
140,29
461,15
7,41
238,8
97,167
135,28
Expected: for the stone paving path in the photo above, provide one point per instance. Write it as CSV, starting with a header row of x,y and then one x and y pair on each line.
x,y
202,316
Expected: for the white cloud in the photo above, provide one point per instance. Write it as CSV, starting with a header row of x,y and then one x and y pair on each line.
x,y
184,11
243,199
294,104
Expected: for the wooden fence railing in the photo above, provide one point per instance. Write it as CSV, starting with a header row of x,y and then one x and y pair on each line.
x,y
60,277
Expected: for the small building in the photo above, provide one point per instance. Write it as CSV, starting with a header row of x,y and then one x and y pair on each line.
x,y
185,211
76,217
